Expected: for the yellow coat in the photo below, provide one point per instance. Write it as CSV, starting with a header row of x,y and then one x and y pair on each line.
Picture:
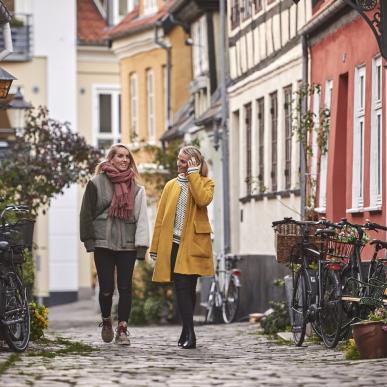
x,y
195,249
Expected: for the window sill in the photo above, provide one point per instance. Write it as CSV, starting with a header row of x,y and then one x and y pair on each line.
x,y
373,209
355,210
245,199
321,210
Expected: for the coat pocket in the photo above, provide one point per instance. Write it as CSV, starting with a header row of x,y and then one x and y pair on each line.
x,y
129,231
100,224
201,242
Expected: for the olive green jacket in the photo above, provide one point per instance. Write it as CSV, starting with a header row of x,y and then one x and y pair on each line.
x,y
97,229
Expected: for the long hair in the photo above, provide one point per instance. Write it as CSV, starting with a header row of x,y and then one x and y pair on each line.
x,y
111,153
193,151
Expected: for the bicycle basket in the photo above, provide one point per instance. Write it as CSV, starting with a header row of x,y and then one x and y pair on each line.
x,y
288,238
339,249
20,234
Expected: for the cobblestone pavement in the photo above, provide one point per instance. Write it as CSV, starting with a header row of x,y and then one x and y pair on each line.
x,y
227,355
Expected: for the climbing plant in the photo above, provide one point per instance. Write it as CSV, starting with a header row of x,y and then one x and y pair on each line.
x,y
304,125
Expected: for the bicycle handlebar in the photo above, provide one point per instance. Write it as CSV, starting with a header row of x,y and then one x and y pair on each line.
x,y
299,222
374,226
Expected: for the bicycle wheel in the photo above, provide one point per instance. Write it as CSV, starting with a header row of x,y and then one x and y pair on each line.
x,y
213,312
299,308
15,313
330,314
231,300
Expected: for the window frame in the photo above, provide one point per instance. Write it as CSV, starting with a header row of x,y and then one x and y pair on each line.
x,y
274,140
151,106
115,135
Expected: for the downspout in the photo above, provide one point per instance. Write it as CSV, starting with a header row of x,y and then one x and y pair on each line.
x,y
5,18
168,50
304,105
224,114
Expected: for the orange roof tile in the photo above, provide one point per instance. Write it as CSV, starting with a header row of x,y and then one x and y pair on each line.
x,y
134,22
91,26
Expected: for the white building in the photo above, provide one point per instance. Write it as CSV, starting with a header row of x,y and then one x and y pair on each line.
x,y
265,68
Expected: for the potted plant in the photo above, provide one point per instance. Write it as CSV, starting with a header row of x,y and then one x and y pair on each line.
x,y
371,335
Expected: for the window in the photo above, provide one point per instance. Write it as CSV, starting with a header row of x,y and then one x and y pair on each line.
x,y
324,157
120,8
150,6
376,135
288,135
358,139
107,116
261,144
248,148
133,108
150,106
235,15
257,5
245,8
274,144
199,48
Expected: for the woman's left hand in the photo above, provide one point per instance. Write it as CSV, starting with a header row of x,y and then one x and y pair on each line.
x,y
192,163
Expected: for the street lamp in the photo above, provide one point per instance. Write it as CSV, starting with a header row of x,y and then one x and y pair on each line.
x,y
17,108
6,80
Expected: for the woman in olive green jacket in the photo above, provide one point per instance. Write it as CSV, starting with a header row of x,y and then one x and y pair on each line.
x,y
181,243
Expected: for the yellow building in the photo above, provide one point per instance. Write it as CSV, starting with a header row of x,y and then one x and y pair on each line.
x,y
155,71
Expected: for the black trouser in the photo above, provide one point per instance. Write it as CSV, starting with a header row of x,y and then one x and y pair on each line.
x,y
185,289
105,262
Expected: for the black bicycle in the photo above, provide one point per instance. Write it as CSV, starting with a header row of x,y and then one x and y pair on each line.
x,y
15,236
316,295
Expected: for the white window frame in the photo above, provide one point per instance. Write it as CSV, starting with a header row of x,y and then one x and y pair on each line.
x,y
133,97
358,140
151,114
200,47
150,7
376,136
115,92
116,10
322,197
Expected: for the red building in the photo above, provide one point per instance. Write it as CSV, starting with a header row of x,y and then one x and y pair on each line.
x,y
344,59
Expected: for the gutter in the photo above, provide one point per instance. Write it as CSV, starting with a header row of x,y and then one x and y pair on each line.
x,y
168,49
323,16
5,18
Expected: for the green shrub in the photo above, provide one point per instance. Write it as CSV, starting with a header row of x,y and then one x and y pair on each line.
x,y
276,321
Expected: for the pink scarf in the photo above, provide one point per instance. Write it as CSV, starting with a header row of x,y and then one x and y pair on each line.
x,y
122,204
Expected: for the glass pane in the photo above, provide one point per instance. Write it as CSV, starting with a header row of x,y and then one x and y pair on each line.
x,y
104,144
105,113
123,7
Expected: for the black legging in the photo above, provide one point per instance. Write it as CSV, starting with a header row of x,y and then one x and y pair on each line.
x,y
105,262
185,289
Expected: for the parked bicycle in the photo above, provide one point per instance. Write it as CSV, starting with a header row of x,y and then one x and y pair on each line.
x,y
15,237
316,297
224,295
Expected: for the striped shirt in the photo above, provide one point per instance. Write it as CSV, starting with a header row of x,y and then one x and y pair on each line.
x,y
181,205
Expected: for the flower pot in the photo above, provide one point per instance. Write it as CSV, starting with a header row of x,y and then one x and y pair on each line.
x,y
371,339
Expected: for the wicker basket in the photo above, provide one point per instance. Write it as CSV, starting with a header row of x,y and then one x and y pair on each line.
x,y
288,238
339,249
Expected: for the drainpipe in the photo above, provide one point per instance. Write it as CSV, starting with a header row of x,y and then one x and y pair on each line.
x,y
304,105
168,50
224,113
5,18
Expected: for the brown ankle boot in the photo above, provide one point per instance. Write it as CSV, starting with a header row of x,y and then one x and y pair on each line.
x,y
122,334
107,333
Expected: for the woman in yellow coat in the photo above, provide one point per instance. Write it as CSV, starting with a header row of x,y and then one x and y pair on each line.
x,y
181,243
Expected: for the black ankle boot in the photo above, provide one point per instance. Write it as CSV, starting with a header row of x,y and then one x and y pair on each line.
x,y
183,337
190,343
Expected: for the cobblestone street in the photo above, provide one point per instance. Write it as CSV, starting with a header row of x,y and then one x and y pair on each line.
x,y
227,355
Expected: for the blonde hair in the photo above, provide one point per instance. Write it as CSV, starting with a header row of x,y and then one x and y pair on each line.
x,y
111,153
193,151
